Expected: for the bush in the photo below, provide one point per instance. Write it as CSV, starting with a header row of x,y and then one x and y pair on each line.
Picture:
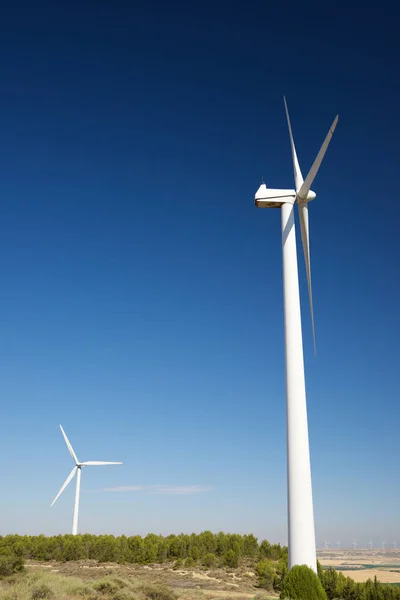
x,y
42,591
189,562
265,574
301,583
109,586
155,592
178,564
106,587
231,559
209,560
10,564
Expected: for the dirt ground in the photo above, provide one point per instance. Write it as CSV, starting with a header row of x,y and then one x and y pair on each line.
x,y
187,583
387,562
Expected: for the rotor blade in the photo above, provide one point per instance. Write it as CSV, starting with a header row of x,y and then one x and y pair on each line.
x,y
305,238
305,188
66,482
70,448
298,177
98,463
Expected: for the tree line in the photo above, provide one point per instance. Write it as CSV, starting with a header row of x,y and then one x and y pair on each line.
x,y
298,584
205,548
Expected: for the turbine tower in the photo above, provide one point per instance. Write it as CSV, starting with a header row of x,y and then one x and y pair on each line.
x,y
370,544
78,471
302,550
338,544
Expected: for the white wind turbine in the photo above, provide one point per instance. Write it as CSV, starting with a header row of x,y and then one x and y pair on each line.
x,y
77,470
302,548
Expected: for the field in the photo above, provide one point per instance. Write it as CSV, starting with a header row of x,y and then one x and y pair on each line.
x,y
361,565
87,580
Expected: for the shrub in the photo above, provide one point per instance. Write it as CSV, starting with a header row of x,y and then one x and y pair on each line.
x,y
42,591
178,563
265,574
106,587
209,560
155,592
189,562
301,583
231,559
10,563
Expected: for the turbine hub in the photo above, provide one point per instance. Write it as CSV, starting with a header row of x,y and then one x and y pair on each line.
x,y
310,196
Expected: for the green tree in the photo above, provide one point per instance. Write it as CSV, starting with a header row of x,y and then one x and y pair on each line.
x,y
301,583
265,574
330,583
209,560
178,563
231,559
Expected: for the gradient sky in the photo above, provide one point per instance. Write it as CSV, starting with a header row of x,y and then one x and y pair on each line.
x,y
141,290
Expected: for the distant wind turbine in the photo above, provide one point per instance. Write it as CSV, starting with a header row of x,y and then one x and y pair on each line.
x,y
338,543
355,545
77,470
302,549
326,545
370,544
383,545
395,545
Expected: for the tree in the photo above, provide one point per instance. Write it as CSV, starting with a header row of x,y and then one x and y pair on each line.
x,y
265,574
330,583
231,559
301,583
209,560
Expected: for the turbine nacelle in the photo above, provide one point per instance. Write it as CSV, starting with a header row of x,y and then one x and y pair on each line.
x,y
273,198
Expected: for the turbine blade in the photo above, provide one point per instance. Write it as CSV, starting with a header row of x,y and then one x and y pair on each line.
x,y
305,238
298,177
305,188
98,463
70,448
66,482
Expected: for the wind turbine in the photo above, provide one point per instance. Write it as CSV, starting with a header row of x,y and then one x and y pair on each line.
x,y
338,544
78,471
355,545
370,544
302,550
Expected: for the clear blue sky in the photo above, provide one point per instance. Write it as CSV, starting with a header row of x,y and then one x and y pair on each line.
x,y
141,290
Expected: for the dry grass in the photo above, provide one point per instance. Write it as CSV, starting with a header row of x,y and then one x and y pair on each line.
x,y
383,575
90,581
360,562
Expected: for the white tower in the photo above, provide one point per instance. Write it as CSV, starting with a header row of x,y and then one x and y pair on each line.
x,y
302,550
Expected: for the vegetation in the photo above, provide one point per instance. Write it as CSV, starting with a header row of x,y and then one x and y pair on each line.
x,y
206,548
49,586
336,585
10,563
205,551
302,583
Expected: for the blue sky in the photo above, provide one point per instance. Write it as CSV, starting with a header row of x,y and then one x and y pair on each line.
x,y
141,290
